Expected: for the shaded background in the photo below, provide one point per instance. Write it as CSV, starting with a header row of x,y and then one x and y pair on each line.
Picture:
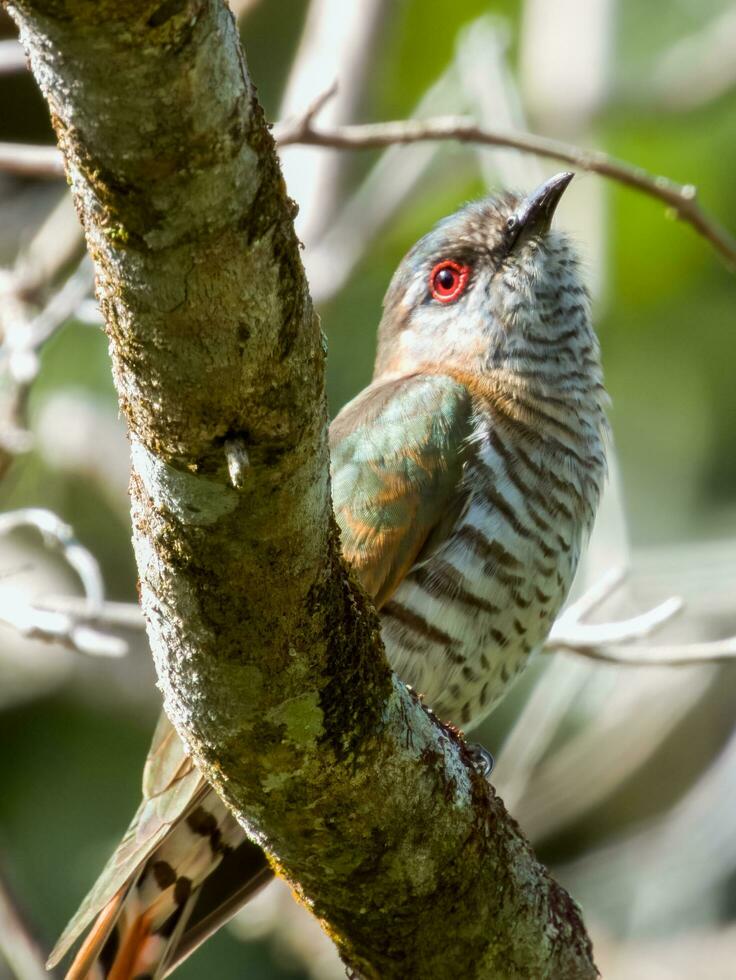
x,y
623,777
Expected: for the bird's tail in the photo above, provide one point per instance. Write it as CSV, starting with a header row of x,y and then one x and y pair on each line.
x,y
175,900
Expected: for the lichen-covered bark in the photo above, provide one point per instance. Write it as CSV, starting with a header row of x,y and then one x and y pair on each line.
x,y
269,659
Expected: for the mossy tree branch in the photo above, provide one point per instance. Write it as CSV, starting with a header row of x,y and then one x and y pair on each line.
x,y
269,659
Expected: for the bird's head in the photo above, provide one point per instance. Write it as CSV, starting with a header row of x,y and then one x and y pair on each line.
x,y
492,286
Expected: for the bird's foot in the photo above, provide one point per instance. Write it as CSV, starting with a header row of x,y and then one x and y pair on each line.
x,y
481,758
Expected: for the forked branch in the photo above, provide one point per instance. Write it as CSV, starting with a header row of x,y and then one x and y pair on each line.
x,y
613,642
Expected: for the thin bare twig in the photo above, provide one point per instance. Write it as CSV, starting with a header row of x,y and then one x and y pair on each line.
x,y
681,198
57,534
117,615
64,627
593,597
389,183
60,628
62,305
56,246
23,335
316,106
611,642
662,655
571,632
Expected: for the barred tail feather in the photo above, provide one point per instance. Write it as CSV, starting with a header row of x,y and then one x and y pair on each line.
x,y
129,941
136,934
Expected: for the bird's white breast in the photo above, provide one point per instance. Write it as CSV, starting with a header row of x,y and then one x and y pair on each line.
x,y
464,621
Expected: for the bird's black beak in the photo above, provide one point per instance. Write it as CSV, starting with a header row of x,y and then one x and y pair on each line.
x,y
534,215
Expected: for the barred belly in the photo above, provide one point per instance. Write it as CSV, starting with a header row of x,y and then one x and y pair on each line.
x,y
466,618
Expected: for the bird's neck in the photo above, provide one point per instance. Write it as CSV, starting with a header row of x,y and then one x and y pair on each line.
x,y
561,431
561,412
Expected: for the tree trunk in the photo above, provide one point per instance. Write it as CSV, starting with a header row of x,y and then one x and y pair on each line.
x,y
268,656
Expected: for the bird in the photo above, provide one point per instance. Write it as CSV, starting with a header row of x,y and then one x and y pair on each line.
x,y
465,481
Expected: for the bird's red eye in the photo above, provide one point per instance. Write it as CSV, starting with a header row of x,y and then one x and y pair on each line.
x,y
448,280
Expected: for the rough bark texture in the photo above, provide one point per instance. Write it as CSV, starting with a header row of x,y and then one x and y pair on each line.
x,y
269,659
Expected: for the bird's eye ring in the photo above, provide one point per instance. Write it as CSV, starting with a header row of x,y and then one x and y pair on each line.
x,y
511,223
448,280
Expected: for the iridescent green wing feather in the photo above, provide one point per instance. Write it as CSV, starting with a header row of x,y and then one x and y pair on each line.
x,y
171,786
397,458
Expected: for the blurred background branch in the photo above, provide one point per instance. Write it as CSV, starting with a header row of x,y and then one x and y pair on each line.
x,y
697,69
20,950
24,160
60,626
12,57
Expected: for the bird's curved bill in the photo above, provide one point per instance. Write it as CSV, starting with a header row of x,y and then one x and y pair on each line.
x,y
534,214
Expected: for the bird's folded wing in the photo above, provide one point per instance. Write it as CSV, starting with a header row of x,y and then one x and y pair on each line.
x,y
171,786
397,459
